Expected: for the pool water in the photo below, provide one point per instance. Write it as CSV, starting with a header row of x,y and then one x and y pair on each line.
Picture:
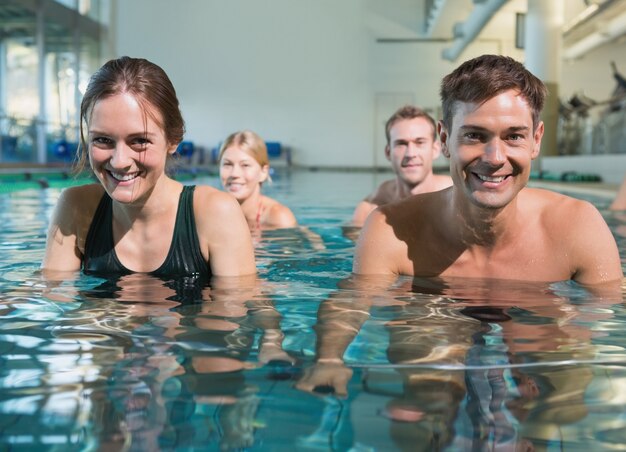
x,y
143,364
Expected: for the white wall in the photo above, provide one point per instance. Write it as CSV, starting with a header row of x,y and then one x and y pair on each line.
x,y
294,71
310,73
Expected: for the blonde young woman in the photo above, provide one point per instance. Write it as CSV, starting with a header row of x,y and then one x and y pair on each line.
x,y
244,167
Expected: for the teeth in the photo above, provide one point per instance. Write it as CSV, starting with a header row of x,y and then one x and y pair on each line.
x,y
123,177
491,179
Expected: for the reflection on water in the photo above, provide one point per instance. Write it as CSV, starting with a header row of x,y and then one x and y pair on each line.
x,y
138,363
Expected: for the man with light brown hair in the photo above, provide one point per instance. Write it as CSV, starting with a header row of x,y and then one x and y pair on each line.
x,y
412,146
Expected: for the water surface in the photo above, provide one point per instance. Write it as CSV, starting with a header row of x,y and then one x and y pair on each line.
x,y
139,363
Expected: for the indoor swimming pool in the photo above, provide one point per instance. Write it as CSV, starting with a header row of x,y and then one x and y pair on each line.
x,y
139,363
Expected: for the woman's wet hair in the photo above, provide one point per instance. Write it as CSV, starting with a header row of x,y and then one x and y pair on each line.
x,y
479,79
147,83
249,142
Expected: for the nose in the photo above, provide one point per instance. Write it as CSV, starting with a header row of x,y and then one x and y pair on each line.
x,y
494,152
121,157
235,171
411,151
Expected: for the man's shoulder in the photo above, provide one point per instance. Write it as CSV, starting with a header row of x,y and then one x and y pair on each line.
x,y
557,212
552,202
385,193
397,234
441,181
416,209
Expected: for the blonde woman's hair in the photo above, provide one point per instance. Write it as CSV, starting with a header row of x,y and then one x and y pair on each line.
x,y
249,142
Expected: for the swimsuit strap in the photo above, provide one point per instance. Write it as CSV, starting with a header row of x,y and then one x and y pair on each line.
x,y
184,256
258,215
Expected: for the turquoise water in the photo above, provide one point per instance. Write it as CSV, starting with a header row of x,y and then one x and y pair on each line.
x,y
143,364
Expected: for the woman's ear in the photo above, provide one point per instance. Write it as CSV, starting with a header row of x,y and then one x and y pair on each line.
x,y
265,172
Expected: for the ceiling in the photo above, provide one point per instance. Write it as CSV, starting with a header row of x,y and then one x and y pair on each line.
x,y
18,20
587,23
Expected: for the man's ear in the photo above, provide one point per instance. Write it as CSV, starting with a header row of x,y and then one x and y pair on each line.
x,y
388,152
443,139
537,135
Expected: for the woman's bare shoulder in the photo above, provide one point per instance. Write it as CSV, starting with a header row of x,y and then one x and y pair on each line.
x,y
279,215
215,209
82,193
75,210
211,198
78,203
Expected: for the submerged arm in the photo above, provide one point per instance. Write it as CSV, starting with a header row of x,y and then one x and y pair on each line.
x,y
338,323
339,320
238,296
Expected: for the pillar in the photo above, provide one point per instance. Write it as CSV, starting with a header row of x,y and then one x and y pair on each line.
x,y
542,46
3,93
40,37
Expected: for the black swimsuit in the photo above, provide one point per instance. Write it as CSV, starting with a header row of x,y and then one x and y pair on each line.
x,y
183,259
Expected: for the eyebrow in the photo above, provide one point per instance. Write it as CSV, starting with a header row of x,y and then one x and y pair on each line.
x,y
405,140
484,129
145,134
243,160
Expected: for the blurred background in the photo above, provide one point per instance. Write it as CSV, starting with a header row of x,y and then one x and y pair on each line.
x,y
317,79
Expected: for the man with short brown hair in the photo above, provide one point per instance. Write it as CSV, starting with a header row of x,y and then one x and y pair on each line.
x,y
488,224
411,148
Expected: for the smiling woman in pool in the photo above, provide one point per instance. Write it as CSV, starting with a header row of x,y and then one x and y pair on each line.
x,y
137,219
244,166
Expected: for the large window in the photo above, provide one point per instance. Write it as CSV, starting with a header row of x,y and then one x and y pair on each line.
x,y
19,131
47,52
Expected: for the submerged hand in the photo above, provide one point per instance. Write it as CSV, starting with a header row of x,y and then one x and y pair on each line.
x,y
321,375
273,352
